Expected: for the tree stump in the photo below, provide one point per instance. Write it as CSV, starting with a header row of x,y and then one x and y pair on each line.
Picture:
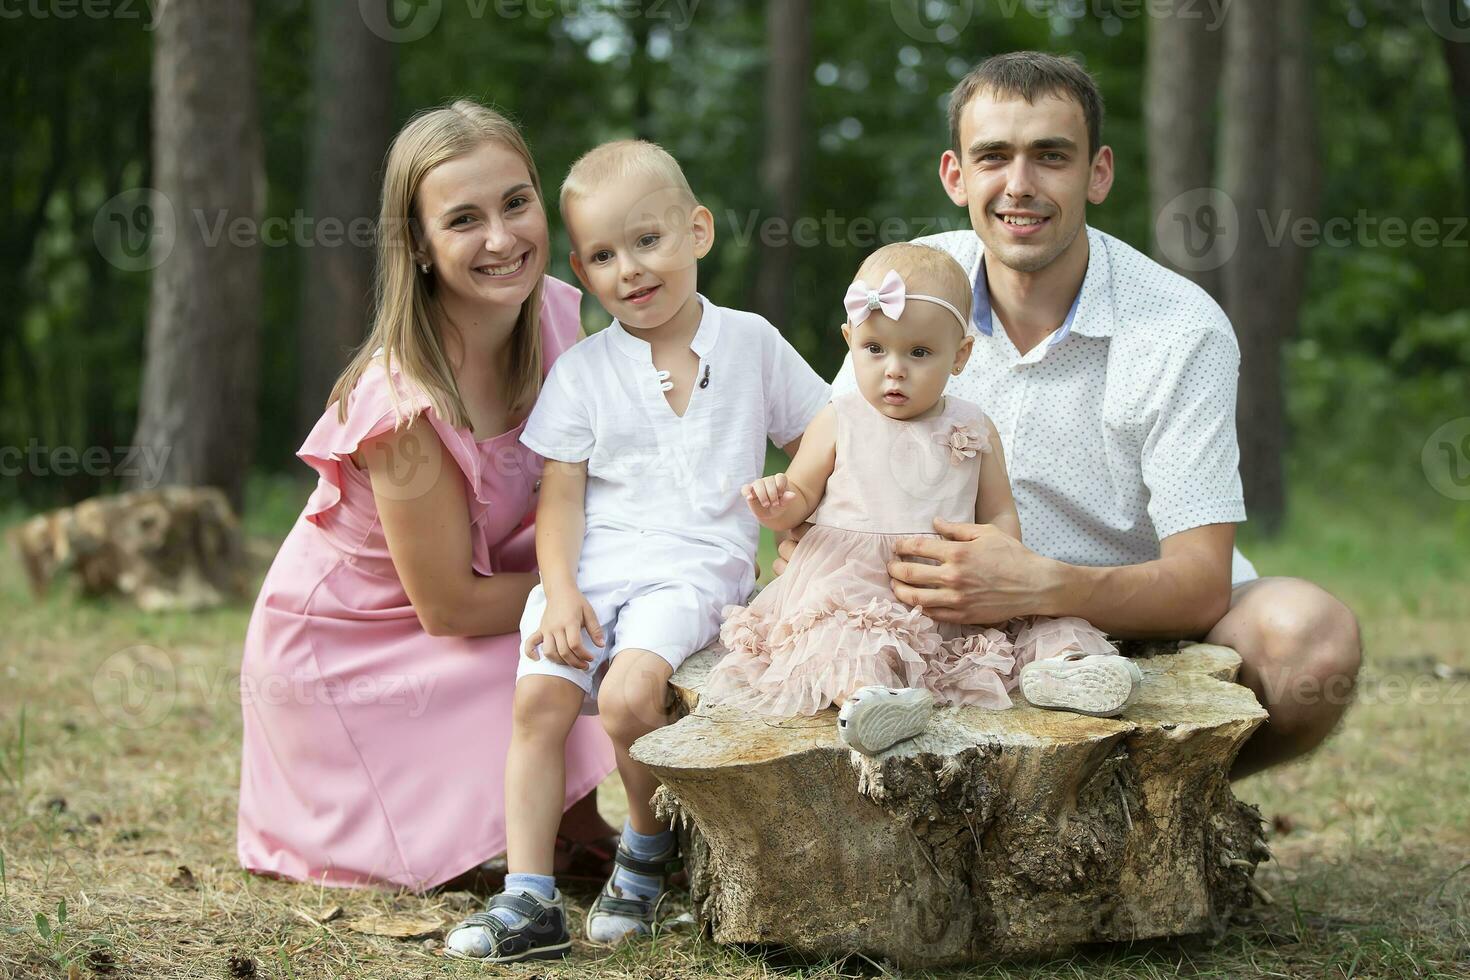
x,y
995,834
174,548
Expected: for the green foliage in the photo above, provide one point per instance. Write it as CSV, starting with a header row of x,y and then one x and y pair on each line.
x,y
1380,359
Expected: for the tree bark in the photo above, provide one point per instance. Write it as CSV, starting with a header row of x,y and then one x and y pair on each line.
x,y
992,834
352,123
1298,164
202,351
1183,79
788,39
1452,21
1251,279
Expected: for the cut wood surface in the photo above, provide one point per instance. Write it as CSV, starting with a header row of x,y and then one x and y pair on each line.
x,y
993,834
170,549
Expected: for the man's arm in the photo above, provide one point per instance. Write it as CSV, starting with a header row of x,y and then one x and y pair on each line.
x,y
985,577
1183,593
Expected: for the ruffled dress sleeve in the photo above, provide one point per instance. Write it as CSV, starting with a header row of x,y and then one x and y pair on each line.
x,y
380,404
372,411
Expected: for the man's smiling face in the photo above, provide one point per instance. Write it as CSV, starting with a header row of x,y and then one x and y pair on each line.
x,y
1025,175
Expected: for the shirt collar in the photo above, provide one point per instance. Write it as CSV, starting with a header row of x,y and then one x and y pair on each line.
x,y
704,340
1091,314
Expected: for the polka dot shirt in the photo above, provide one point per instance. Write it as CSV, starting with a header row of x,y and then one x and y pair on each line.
x,y
1119,428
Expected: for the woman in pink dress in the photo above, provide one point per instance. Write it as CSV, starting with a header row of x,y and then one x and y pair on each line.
x,y
380,660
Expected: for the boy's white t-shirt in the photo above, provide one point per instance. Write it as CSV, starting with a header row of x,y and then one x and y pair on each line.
x,y
651,470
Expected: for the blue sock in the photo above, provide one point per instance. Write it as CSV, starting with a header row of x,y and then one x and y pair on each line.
x,y
541,885
645,847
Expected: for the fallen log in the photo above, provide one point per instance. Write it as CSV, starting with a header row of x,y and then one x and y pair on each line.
x,y
995,834
173,548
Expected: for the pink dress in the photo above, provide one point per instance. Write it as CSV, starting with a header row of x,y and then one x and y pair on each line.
x,y
830,624
374,753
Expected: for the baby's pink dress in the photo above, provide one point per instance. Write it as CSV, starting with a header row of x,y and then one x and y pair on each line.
x,y
831,624
374,753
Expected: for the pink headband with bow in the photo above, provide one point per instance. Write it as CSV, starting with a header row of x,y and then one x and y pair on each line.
x,y
889,299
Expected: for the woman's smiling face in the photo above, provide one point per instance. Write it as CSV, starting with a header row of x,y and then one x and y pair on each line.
x,y
484,227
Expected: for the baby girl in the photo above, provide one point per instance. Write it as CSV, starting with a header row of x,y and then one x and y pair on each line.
x,y
880,464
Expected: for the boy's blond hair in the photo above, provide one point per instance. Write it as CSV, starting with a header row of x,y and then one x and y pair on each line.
x,y
621,159
924,270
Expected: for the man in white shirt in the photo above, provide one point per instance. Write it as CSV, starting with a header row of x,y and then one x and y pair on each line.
x,y
1112,382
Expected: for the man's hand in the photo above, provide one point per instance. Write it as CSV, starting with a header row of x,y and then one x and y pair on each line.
x,y
560,635
786,547
984,575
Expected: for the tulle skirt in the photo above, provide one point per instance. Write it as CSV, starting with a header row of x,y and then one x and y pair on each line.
x,y
831,625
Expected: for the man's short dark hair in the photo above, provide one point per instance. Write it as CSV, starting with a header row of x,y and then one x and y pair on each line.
x,y
1029,75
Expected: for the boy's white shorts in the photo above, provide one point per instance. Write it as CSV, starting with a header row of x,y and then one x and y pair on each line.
x,y
650,591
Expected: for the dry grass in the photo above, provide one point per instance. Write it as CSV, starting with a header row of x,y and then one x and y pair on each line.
x,y
1372,876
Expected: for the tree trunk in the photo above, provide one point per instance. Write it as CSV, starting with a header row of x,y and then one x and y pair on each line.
x,y
1298,167
788,39
200,369
993,834
1251,279
1452,22
1183,79
352,124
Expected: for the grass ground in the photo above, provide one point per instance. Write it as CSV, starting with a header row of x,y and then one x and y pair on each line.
x,y
1371,834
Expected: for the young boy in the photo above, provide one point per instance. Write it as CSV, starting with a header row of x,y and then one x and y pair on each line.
x,y
649,428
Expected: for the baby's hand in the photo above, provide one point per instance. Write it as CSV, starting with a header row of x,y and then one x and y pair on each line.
x,y
560,635
768,496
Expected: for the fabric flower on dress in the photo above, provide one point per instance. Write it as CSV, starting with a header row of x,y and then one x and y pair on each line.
x,y
962,442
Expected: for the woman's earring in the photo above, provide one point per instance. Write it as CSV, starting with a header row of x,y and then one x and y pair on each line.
x,y
424,267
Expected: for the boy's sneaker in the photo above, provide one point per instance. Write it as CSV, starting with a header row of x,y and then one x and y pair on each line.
x,y
538,930
1097,684
875,718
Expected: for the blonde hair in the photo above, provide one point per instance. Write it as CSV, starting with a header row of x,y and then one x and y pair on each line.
x,y
924,270
619,160
404,301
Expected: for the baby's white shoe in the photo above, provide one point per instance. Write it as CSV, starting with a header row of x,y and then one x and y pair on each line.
x,y
1097,684
876,717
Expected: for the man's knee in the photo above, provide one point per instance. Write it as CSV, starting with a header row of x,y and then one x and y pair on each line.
x,y
1314,632
1309,651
